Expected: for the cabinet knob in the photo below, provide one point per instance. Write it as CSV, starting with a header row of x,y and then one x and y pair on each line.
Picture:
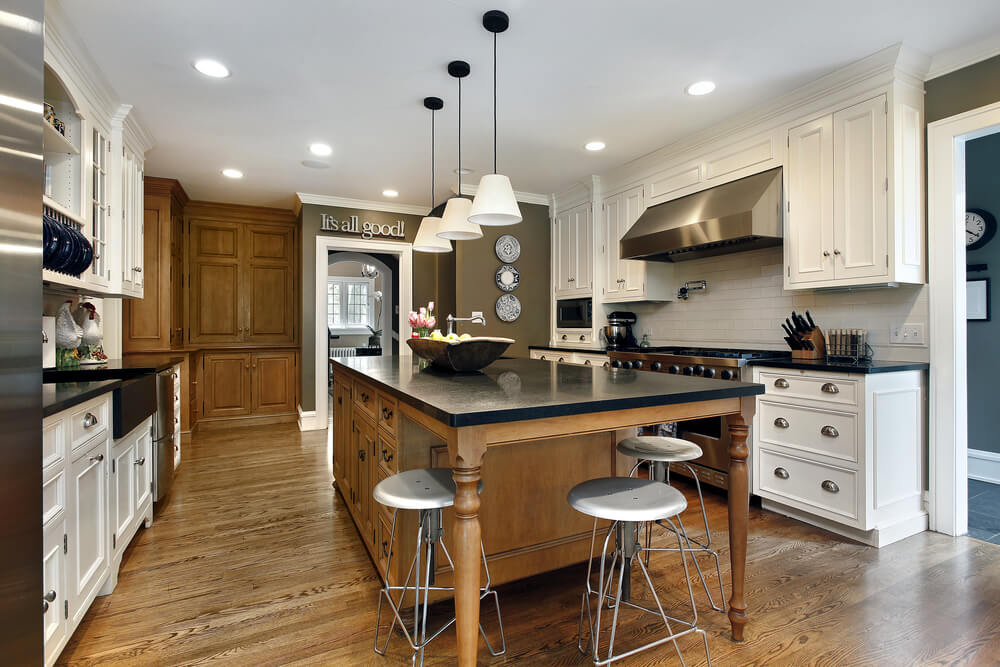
x,y
826,253
137,269
830,432
89,420
781,383
830,388
830,485
781,473
781,422
836,252
50,596
140,461
98,458
571,280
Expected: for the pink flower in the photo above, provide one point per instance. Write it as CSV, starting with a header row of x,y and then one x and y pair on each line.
x,y
431,321
413,319
430,307
423,311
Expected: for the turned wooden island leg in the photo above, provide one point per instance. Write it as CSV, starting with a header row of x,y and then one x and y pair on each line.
x,y
739,518
467,449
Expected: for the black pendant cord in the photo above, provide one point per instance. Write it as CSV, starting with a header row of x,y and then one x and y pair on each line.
x,y
432,159
459,137
494,103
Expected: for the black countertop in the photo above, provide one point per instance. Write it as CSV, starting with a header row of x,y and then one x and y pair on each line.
x,y
519,389
556,348
875,366
59,396
114,369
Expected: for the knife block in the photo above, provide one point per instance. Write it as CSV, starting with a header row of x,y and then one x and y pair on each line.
x,y
819,344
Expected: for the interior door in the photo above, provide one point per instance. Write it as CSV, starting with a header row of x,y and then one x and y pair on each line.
x,y
272,382
88,548
269,284
123,482
613,274
860,191
810,202
227,384
215,283
633,273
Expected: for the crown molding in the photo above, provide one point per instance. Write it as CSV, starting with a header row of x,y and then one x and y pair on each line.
x,y
951,60
523,197
362,204
576,194
69,58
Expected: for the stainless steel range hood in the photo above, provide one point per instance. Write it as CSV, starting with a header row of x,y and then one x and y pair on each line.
x,y
741,215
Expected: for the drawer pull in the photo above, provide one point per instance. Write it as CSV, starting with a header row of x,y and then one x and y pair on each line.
x,y
586,362
361,454
781,422
364,397
781,383
386,414
140,461
562,359
781,473
830,388
583,337
831,486
89,420
98,458
830,431
385,548
386,456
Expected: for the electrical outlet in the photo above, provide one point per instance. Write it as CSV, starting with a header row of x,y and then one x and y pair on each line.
x,y
907,334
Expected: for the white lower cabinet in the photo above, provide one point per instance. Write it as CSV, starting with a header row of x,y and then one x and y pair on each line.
x,y
572,357
95,495
842,451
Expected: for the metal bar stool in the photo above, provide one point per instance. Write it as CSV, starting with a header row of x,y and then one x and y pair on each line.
x,y
427,490
628,502
659,452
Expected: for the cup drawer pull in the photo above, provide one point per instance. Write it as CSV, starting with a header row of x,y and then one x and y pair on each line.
x,y
781,422
830,485
830,388
781,383
781,473
386,414
89,420
830,431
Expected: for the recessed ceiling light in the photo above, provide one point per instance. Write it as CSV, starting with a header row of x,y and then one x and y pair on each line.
x,y
232,173
700,88
320,149
463,171
212,68
594,146
315,164
390,193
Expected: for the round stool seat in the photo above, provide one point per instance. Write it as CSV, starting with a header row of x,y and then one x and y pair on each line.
x,y
626,499
420,489
659,448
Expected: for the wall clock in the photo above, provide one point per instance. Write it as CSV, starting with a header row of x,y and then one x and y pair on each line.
x,y
508,278
980,226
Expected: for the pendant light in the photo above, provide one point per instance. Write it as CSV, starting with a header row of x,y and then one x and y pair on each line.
x,y
495,203
456,212
427,239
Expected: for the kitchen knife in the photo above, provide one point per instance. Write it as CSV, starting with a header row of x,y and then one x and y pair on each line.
x,y
791,327
787,330
795,321
810,319
791,343
800,322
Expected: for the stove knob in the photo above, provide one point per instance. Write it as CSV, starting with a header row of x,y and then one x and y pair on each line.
x,y
655,366
637,364
627,365
675,369
699,369
727,374
689,370
616,364
710,372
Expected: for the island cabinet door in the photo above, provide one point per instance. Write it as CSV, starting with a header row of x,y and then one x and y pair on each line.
x,y
364,445
341,435
226,384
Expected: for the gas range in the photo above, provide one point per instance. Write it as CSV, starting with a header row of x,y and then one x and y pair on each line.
x,y
721,363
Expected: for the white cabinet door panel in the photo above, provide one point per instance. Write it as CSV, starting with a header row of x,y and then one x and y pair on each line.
x,y
810,201
612,272
88,550
55,625
123,487
633,272
143,467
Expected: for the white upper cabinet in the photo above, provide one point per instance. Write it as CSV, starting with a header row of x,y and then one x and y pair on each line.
x,y
574,253
810,187
629,280
129,245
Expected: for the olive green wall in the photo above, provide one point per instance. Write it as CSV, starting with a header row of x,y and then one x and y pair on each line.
x,y
964,89
476,289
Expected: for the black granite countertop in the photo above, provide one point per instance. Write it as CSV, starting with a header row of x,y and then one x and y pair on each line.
x,y
519,389
875,366
59,396
114,369
556,348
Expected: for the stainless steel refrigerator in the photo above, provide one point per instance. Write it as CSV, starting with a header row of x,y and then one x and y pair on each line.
x,y
21,82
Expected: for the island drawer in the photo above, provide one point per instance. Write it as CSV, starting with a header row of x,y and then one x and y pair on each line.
x,y
808,485
387,459
809,429
53,440
89,419
814,388
387,413
364,397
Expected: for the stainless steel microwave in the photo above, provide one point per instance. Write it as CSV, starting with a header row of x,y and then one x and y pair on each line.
x,y
574,313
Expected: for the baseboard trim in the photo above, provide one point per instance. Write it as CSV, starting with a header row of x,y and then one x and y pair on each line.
x,y
984,466
239,422
877,537
308,420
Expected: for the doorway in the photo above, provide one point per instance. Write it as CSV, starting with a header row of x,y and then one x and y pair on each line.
x,y
362,298
947,144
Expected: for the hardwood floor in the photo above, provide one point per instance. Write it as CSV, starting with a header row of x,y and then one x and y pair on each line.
x,y
255,561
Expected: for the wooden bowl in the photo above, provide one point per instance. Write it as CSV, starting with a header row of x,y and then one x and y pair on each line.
x,y
471,354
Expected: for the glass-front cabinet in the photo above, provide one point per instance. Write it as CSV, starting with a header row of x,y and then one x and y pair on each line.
x,y
99,206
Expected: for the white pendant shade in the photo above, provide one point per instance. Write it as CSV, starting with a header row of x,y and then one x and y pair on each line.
x,y
456,225
495,204
427,239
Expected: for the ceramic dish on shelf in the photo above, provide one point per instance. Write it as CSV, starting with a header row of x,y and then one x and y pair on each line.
x,y
461,356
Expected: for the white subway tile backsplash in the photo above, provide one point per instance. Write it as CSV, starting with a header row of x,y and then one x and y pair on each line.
x,y
746,302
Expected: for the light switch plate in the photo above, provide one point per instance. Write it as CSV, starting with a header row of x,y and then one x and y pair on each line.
x,y
477,313
907,334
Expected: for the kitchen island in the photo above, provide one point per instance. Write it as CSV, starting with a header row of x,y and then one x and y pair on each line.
x,y
530,430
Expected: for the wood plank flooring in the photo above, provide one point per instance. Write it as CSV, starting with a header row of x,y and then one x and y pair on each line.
x,y
255,561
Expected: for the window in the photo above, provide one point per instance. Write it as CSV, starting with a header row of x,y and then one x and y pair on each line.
x,y
349,304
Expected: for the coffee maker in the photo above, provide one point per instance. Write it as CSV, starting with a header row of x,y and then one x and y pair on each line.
x,y
618,331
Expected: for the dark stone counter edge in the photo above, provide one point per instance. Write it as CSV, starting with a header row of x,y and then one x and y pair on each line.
x,y
545,411
556,348
842,367
97,373
74,396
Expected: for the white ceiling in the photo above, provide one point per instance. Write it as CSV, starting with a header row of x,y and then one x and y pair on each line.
x,y
353,74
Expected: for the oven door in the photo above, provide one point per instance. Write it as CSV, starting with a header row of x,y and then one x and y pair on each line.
x,y
574,314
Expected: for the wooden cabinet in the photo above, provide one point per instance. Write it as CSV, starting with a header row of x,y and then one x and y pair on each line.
x,y
365,440
849,222
226,389
154,322
248,384
629,280
342,429
242,268
574,254
272,382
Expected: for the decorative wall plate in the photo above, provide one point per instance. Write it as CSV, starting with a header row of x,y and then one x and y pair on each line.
x,y
508,278
508,308
508,249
